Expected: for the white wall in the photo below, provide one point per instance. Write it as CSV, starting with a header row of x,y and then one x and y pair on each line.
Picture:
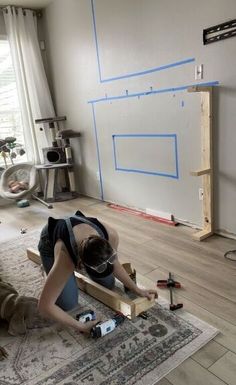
x,y
135,36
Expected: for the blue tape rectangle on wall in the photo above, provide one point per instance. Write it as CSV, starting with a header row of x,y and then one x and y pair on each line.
x,y
151,154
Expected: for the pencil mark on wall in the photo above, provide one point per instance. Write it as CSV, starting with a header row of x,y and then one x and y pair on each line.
x,y
129,75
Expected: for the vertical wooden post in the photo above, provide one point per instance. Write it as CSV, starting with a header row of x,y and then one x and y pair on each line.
x,y
207,160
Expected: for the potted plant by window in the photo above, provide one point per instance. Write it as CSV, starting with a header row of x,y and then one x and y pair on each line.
x,y
10,149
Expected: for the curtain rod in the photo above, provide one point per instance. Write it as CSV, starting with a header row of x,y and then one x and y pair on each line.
x,y
38,12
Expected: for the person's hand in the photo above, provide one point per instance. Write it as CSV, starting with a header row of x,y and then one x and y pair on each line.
x,y
86,327
149,294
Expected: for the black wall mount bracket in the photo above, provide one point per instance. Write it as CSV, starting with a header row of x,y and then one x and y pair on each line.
x,y
219,32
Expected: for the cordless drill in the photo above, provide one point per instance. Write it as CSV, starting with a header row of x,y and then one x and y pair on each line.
x,y
104,327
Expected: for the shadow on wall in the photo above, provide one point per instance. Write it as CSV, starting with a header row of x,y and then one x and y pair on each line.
x,y
219,92
229,178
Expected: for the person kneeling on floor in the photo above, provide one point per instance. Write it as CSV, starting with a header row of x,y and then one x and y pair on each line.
x,y
66,243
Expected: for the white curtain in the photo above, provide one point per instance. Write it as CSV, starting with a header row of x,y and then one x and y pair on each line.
x,y
34,95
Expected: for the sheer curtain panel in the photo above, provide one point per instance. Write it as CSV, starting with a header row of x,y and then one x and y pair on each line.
x,y
34,94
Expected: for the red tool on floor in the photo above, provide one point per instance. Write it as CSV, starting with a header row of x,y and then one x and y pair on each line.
x,y
170,283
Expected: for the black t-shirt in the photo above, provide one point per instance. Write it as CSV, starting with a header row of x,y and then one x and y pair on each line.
x,y
57,229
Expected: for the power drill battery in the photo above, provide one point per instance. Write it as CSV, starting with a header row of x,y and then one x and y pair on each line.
x,y
85,316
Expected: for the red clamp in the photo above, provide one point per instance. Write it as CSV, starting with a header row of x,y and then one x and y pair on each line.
x,y
170,283
164,283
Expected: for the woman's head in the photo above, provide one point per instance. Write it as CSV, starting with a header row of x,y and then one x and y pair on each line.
x,y
96,252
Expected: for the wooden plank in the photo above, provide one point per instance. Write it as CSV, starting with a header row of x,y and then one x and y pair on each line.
x,y
33,255
130,308
202,234
199,89
201,172
140,305
207,160
106,296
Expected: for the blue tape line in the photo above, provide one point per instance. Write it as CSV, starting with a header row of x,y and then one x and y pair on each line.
x,y
139,73
174,136
158,91
114,150
176,158
98,153
148,173
142,135
149,71
96,40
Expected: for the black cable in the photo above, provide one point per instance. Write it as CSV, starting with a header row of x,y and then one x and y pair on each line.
x,y
231,254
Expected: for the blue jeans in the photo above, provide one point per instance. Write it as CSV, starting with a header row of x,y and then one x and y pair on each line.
x,y
68,299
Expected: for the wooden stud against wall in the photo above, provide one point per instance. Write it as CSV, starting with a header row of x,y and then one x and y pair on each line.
x,y
207,161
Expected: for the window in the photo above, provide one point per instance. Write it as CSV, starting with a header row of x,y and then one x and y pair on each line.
x,y
10,114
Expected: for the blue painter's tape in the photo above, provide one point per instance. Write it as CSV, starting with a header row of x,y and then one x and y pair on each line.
x,y
149,71
96,40
153,92
98,153
139,73
114,150
176,158
148,172
174,175
142,135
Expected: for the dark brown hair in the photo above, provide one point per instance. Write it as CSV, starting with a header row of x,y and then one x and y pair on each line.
x,y
95,250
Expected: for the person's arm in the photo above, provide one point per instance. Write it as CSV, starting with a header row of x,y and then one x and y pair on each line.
x,y
123,276
119,271
62,269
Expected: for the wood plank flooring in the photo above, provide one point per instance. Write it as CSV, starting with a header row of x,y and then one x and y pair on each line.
x,y
154,249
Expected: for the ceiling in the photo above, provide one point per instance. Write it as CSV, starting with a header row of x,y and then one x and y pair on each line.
x,y
38,4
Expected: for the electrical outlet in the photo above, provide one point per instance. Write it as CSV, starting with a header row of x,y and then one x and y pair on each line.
x,y
199,72
200,194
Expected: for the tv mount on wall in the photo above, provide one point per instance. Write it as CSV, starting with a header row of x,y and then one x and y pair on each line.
x,y
219,32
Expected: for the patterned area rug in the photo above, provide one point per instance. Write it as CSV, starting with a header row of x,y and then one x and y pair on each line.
x,y
139,352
